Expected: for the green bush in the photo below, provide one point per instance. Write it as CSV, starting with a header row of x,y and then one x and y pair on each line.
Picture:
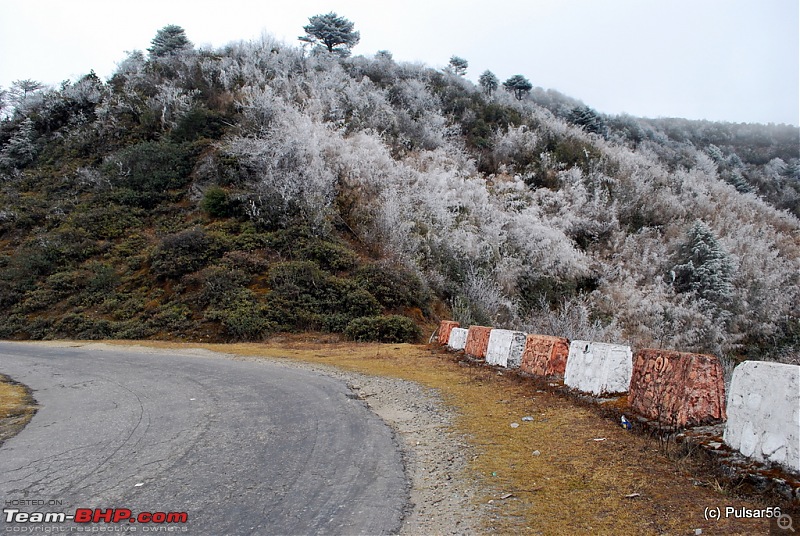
x,y
301,244
172,319
107,220
393,328
221,285
183,252
328,255
199,123
394,286
151,166
132,329
217,203
305,297
80,326
242,317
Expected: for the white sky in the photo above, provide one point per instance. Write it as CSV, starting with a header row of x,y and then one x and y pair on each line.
x,y
725,60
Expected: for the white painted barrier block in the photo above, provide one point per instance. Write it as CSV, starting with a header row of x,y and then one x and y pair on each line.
x,y
458,339
764,412
598,368
505,348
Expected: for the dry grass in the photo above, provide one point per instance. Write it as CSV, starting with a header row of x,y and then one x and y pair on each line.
x,y
16,408
576,485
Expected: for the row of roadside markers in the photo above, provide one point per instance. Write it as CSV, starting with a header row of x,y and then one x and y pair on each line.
x,y
761,413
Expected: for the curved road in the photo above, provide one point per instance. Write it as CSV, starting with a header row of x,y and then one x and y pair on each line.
x,y
242,447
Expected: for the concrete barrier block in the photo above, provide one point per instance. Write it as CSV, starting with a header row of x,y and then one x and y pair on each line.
x,y
505,348
598,368
445,327
677,389
477,341
457,339
545,355
764,412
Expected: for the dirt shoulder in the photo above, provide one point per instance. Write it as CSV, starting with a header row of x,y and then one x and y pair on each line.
x,y
490,452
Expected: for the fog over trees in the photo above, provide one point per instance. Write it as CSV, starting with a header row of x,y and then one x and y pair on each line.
x,y
257,187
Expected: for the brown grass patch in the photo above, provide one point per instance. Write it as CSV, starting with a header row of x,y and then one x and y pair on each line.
x,y
16,407
620,484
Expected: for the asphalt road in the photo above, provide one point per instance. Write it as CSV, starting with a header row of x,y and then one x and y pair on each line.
x,y
241,447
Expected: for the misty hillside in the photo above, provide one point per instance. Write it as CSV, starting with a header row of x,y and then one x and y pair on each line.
x,y
229,194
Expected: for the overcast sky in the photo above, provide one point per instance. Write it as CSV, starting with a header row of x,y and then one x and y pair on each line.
x,y
725,60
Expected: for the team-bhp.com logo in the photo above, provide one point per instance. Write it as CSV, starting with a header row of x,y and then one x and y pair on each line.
x,y
96,515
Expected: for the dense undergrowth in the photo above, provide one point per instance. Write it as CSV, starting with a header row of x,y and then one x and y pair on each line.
x,y
227,194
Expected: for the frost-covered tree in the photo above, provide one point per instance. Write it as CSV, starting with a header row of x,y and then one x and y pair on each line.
x,y
588,119
22,89
703,266
459,65
332,32
488,82
518,85
21,92
169,40
20,149
3,101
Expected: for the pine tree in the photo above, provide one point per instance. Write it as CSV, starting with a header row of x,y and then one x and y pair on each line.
x,y
170,39
518,85
332,32
459,65
589,120
20,149
703,266
488,82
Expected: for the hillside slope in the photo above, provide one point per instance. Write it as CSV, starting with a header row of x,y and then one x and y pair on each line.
x,y
226,194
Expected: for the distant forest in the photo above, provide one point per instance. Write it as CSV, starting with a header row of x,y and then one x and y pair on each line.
x,y
227,194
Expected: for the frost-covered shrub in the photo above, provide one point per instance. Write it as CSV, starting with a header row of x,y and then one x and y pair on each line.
x,y
287,169
572,318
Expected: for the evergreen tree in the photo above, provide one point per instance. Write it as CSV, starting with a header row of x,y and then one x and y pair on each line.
x,y
488,82
170,39
20,149
590,120
331,31
518,85
459,65
737,180
703,266
21,90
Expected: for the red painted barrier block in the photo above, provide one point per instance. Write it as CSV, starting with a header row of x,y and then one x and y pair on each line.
x,y
445,327
477,341
545,355
676,388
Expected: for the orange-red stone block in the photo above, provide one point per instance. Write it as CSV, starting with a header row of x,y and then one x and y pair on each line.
x,y
477,341
545,355
677,389
445,327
